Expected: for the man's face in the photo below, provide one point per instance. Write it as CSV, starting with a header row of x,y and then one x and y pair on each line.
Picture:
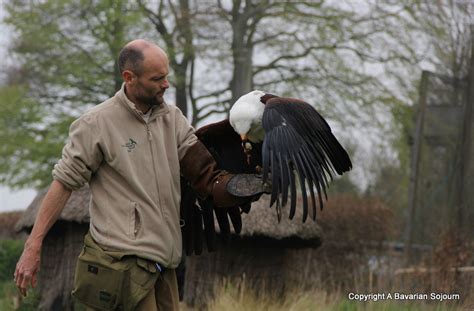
x,y
150,85
151,88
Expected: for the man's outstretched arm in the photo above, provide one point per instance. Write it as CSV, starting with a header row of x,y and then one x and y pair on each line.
x,y
49,211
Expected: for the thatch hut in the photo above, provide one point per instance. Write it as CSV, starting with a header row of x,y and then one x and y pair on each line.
x,y
274,259
268,256
61,247
7,225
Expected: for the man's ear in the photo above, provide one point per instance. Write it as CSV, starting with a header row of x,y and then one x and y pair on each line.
x,y
128,76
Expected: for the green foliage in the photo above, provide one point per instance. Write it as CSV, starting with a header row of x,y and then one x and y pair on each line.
x,y
10,252
31,301
9,293
405,125
392,178
68,48
31,138
65,55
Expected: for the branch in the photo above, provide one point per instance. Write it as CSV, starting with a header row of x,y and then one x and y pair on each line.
x,y
223,12
271,37
215,103
156,19
274,62
173,10
213,94
209,113
365,56
191,93
84,51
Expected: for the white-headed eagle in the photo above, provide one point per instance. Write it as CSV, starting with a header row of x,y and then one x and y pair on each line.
x,y
284,139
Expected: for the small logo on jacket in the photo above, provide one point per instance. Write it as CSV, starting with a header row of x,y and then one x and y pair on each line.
x,y
130,145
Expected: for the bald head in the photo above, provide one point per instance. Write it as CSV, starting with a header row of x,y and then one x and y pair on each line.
x,y
133,54
144,68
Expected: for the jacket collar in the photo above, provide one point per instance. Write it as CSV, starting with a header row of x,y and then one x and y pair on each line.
x,y
156,111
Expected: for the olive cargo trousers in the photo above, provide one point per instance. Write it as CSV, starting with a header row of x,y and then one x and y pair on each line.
x,y
163,297
117,281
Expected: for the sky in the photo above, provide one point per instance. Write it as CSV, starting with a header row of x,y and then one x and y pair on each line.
x,y
9,199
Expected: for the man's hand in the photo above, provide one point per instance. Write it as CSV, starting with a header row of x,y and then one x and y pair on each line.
x,y
27,267
49,211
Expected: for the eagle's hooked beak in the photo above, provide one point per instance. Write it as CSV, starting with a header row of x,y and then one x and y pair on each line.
x,y
247,146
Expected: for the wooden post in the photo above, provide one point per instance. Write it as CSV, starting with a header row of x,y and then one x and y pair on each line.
x,y
415,161
466,139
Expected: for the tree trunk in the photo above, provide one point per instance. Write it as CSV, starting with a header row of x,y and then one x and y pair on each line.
x,y
242,50
242,74
183,21
181,87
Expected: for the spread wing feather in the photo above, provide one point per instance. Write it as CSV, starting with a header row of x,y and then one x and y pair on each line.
x,y
297,138
198,227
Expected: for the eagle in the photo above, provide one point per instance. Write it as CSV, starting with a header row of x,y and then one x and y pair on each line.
x,y
283,140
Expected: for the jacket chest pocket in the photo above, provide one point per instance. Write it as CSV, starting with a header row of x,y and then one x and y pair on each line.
x,y
134,220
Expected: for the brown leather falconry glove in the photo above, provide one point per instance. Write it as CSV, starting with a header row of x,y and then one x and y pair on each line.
x,y
201,171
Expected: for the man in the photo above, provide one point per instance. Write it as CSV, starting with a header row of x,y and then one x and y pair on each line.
x,y
131,149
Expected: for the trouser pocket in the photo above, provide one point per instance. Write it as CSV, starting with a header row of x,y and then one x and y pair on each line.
x,y
98,279
140,280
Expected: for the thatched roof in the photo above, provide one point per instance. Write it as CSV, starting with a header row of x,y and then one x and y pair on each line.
x,y
7,225
346,218
263,221
352,219
76,209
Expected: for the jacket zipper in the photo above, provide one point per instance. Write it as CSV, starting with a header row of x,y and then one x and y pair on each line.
x,y
154,167
156,181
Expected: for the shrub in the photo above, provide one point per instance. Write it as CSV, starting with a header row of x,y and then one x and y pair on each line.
x,y
10,252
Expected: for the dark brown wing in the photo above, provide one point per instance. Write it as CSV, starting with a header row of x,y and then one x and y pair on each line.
x,y
298,139
225,146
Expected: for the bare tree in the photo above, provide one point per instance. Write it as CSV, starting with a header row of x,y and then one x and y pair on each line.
x,y
299,48
173,22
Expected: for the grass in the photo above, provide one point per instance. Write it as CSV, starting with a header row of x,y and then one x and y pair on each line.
x,y
9,293
232,299
330,292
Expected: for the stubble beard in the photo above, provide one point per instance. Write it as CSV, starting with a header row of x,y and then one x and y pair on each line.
x,y
152,101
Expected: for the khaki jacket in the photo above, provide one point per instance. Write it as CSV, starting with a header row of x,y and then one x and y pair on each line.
x,y
133,169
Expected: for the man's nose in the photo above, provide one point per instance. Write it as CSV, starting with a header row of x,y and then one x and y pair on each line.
x,y
165,84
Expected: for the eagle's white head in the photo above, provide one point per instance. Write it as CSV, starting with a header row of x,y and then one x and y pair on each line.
x,y
246,116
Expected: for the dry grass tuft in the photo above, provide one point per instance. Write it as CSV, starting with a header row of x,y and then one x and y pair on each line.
x,y
237,299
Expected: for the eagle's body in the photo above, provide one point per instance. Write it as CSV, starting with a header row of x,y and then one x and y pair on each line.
x,y
285,137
